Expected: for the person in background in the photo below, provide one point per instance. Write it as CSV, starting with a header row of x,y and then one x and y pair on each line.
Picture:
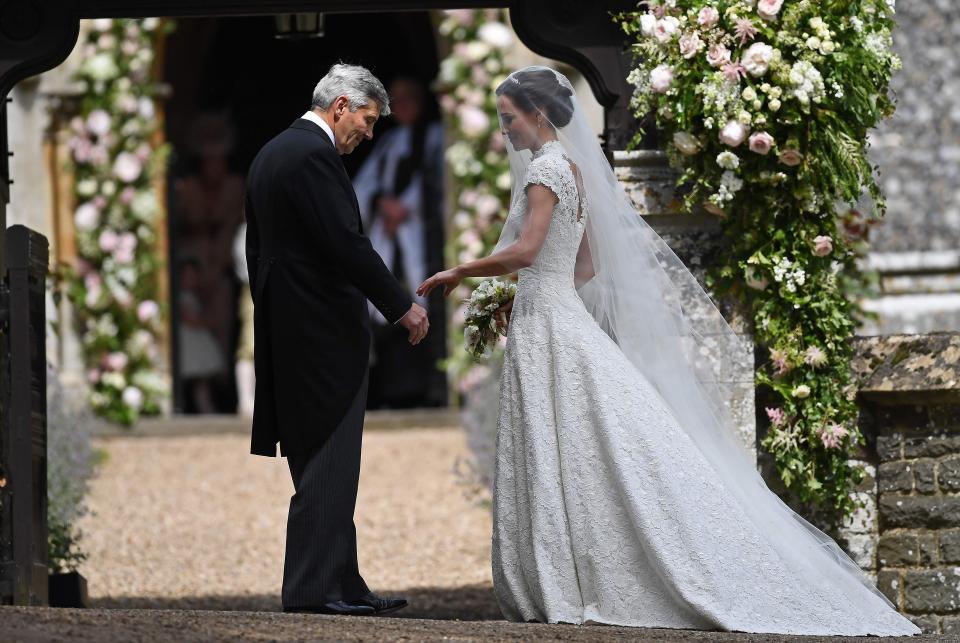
x,y
208,210
400,191
201,358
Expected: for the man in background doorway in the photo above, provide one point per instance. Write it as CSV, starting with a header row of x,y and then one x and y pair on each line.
x,y
400,190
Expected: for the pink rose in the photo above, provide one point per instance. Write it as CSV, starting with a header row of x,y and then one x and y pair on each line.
x,y
109,241
708,17
733,133
99,122
768,9
761,142
718,55
115,361
822,245
661,78
665,28
790,157
147,310
690,45
473,121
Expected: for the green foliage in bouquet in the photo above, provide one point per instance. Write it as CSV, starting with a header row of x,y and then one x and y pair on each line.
x,y
114,285
765,106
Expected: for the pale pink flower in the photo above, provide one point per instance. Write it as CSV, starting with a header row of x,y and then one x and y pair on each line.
x,y
733,72
814,356
761,142
661,77
777,416
115,361
832,435
779,360
99,122
126,196
756,59
708,17
93,375
665,28
487,206
87,216
734,133
133,397
768,9
147,310
790,157
109,241
718,55
822,245
745,30
690,45
473,121
127,167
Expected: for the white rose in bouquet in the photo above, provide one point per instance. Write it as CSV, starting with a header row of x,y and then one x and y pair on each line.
x,y
734,133
661,78
757,59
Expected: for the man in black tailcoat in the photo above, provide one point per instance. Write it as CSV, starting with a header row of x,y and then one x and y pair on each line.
x,y
311,273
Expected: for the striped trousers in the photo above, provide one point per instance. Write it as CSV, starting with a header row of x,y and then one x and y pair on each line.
x,y
320,564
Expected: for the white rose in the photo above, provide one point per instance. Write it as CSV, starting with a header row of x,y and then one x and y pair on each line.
x,y
749,94
86,217
768,9
661,78
101,67
648,24
686,143
734,133
801,392
757,59
133,397
774,104
728,160
496,34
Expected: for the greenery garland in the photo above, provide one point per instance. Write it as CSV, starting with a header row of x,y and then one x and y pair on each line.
x,y
766,105
114,285
477,158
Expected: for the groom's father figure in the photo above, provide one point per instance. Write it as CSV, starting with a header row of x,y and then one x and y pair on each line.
x,y
311,273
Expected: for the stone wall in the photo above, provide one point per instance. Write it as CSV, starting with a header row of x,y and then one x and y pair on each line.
x,y
910,401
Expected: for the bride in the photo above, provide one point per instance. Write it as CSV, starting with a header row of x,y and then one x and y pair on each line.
x,y
622,494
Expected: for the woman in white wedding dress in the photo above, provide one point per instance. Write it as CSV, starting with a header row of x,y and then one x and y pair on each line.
x,y
622,494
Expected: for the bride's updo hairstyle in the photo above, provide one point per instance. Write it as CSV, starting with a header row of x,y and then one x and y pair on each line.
x,y
533,90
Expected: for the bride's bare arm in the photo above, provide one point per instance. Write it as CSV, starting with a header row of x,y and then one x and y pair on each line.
x,y
520,254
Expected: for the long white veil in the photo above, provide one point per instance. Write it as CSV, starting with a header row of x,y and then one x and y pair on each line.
x,y
651,305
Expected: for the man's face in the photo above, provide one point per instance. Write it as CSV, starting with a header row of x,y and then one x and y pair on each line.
x,y
349,128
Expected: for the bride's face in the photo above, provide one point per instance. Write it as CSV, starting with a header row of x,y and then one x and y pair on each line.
x,y
518,126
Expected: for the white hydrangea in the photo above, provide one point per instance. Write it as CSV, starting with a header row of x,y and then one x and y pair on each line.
x,y
807,83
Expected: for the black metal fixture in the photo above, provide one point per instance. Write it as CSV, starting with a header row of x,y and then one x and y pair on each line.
x,y
298,26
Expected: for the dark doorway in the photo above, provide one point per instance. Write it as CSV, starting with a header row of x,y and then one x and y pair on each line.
x,y
235,77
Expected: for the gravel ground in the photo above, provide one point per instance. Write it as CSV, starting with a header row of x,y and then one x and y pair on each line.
x,y
195,522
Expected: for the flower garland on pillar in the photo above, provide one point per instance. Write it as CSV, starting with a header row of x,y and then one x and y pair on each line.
x,y
765,105
114,285
477,156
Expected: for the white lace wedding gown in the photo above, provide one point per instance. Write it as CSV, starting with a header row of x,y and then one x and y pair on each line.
x,y
604,510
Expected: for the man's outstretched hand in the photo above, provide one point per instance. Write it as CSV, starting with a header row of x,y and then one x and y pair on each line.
x,y
416,322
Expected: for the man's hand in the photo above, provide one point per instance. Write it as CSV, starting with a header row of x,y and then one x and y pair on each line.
x,y
416,322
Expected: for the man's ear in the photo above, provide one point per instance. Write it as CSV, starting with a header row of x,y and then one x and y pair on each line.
x,y
341,105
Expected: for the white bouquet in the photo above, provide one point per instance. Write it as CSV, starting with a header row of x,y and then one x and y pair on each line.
x,y
480,325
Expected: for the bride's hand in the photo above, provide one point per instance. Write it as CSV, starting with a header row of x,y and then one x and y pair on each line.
x,y
502,316
449,279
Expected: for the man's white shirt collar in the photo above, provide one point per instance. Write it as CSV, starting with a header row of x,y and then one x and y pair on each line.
x,y
312,116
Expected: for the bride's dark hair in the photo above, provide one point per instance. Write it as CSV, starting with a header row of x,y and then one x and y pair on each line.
x,y
539,89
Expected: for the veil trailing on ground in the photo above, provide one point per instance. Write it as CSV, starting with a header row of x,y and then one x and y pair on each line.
x,y
651,305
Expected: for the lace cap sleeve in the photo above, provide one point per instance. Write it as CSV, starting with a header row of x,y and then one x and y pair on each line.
x,y
546,172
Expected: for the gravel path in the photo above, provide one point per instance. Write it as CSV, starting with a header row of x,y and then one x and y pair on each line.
x,y
196,522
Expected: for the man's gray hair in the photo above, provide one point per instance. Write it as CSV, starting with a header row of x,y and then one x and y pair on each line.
x,y
357,83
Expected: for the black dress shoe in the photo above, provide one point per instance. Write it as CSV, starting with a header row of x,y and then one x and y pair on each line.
x,y
341,608
379,604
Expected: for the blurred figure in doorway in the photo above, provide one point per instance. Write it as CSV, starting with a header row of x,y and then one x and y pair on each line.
x,y
400,190
201,358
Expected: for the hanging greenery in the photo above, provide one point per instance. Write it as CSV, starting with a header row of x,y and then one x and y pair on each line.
x,y
765,106
113,286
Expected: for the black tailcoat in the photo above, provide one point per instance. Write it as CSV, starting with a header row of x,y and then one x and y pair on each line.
x,y
311,272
